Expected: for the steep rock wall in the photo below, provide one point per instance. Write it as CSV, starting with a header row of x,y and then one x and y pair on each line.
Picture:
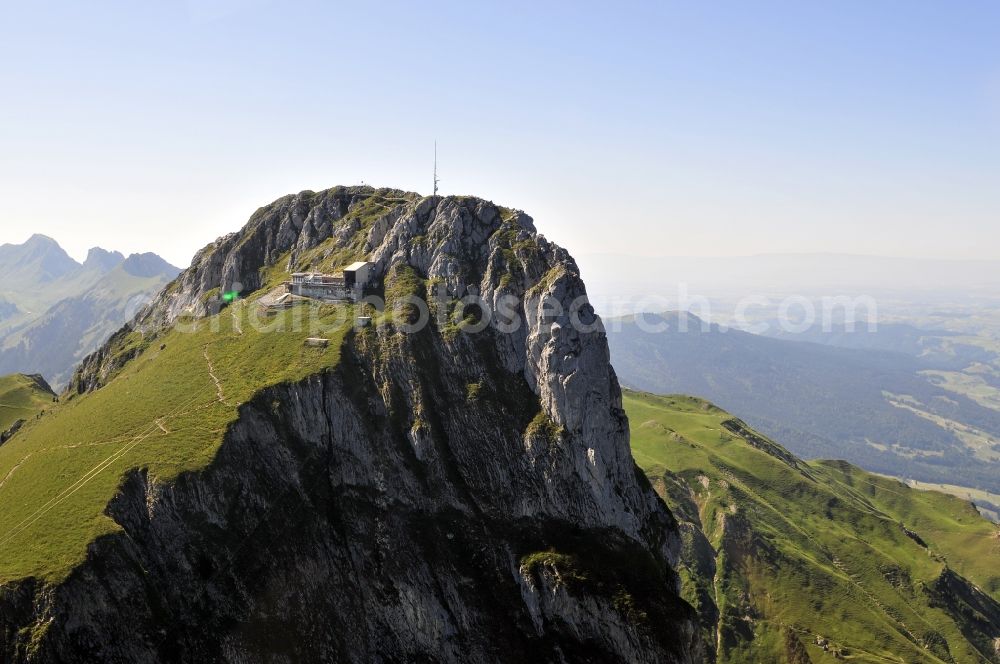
x,y
384,510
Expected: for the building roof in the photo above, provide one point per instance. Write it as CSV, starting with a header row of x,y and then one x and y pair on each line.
x,y
357,266
318,277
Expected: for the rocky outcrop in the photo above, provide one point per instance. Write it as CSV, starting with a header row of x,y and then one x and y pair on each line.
x,y
294,223
11,430
976,613
384,510
38,383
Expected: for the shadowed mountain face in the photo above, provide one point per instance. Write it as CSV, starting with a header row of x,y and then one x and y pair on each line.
x,y
439,495
55,311
870,407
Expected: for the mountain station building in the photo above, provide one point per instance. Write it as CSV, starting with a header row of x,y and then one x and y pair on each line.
x,y
319,286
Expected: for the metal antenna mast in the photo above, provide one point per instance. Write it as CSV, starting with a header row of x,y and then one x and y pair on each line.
x,y
435,168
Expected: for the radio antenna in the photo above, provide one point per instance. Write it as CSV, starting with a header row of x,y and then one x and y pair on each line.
x,y
435,168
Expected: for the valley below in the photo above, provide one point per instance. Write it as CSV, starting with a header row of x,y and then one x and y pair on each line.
x,y
925,412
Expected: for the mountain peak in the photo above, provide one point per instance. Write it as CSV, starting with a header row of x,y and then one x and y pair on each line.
x,y
39,259
149,265
504,440
38,383
102,259
40,239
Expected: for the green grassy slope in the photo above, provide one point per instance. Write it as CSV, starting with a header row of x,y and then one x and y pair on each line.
x,y
166,411
809,551
950,526
988,503
22,397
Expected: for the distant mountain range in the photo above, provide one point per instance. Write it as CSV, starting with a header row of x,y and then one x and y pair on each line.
x,y
54,310
890,412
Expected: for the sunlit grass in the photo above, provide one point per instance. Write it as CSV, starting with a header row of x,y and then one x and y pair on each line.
x,y
164,413
825,550
20,399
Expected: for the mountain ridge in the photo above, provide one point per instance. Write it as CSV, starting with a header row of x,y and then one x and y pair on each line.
x,y
22,397
272,523
799,561
39,258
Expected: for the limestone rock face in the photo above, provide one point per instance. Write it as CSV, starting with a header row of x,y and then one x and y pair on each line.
x,y
384,510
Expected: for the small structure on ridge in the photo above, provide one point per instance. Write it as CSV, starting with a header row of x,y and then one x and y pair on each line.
x,y
332,287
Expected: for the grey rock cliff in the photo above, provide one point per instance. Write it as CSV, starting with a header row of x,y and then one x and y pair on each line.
x,y
382,511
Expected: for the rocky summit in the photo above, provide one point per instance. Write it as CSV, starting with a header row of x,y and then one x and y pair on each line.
x,y
430,494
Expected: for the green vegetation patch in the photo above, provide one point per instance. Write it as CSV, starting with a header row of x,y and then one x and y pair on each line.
x,y
516,252
823,550
543,426
403,286
22,398
166,411
565,567
546,282
619,572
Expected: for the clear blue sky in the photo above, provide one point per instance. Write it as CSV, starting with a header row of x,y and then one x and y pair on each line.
x,y
686,128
